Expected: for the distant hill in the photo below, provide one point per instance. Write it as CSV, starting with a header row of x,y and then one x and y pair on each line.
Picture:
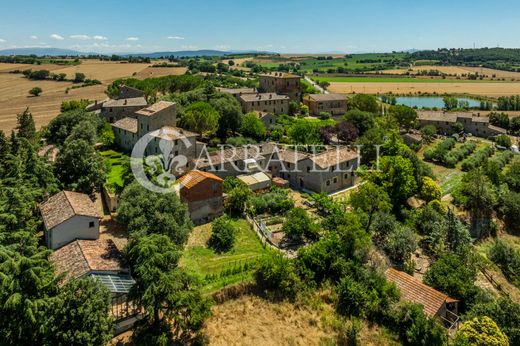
x,y
69,52
42,52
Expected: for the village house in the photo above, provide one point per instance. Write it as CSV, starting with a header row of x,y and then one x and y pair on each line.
x,y
265,102
237,92
472,123
281,83
268,119
202,192
435,304
68,216
334,104
126,92
102,260
329,171
114,110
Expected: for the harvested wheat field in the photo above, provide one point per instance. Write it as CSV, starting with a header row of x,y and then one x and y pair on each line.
x,y
14,88
458,70
250,320
490,89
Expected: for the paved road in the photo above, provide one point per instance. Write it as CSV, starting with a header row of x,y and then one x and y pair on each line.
x,y
314,84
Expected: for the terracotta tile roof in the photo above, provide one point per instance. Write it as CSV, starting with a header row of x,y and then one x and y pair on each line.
x,y
291,156
127,124
155,108
412,289
327,97
130,102
229,155
172,133
436,116
82,257
334,156
263,97
237,91
192,178
66,204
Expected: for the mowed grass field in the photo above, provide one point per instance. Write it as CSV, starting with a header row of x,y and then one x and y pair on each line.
x,y
14,88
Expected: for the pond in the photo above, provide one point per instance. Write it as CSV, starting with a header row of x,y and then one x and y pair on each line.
x,y
431,101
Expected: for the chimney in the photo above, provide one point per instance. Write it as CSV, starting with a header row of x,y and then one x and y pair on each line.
x,y
126,101
270,96
95,102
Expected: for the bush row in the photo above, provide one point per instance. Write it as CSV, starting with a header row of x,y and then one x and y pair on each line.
x,y
438,152
503,158
477,158
457,154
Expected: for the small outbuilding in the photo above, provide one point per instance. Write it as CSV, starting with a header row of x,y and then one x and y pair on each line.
x,y
68,216
202,192
256,182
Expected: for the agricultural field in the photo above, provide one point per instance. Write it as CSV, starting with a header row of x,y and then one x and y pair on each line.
x,y
457,70
477,88
219,270
251,320
14,88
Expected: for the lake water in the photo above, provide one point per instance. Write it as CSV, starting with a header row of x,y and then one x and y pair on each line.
x,y
430,101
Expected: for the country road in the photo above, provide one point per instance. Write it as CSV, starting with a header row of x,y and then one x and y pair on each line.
x,y
314,84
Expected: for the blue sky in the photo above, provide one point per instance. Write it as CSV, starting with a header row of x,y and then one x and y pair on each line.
x,y
294,26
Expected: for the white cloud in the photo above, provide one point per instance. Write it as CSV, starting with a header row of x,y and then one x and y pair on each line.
x,y
222,46
132,38
188,47
80,37
175,38
2,40
57,37
100,38
34,37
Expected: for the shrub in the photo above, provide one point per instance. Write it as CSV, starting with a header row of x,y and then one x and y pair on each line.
x,y
277,201
457,154
276,273
477,158
503,141
299,225
507,258
36,91
430,190
223,234
438,152
400,244
480,331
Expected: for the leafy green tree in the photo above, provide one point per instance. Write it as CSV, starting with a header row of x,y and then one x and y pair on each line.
x,y
396,176
223,234
454,276
107,136
173,308
458,239
60,127
480,331
370,141
450,102
25,126
370,198
298,225
145,212
84,130
512,176
428,132
79,77
503,141
80,167
276,273
400,244
79,315
238,197
304,132
515,125
36,91
480,199
507,258
499,119
363,121
200,117
252,126
430,190
365,103
406,116
26,285
230,112
415,328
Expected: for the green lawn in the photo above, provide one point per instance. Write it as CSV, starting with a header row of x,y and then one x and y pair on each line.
x,y
114,162
219,270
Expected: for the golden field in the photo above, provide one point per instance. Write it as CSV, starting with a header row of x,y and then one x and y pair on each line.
x,y
490,89
458,70
14,88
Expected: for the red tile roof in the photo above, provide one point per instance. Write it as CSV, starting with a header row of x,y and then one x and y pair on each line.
x,y
412,289
192,178
66,204
85,256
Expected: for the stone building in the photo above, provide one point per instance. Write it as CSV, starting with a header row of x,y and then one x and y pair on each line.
x,y
265,103
334,104
202,192
472,123
281,83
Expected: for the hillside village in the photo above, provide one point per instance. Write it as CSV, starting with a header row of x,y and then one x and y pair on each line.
x,y
391,224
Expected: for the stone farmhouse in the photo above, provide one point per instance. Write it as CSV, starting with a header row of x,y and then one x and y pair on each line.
x,y
68,216
281,83
237,92
202,192
334,104
265,102
473,123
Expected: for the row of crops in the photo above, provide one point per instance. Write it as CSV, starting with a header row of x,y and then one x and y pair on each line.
x,y
445,152
477,158
502,158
